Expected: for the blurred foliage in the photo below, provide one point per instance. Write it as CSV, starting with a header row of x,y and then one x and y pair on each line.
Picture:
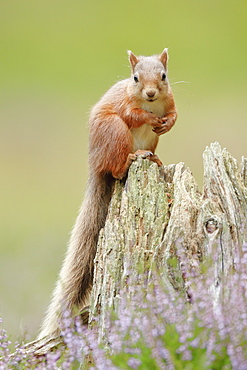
x,y
57,58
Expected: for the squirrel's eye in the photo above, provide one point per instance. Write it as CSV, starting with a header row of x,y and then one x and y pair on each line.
x,y
163,76
136,79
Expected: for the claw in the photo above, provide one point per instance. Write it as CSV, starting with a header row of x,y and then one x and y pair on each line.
x,y
143,153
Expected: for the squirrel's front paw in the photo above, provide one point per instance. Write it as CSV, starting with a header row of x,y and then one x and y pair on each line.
x,y
167,123
154,120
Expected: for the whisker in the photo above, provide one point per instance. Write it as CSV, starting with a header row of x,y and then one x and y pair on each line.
x,y
178,82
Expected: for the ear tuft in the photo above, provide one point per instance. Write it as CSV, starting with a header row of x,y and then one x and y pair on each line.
x,y
132,59
164,57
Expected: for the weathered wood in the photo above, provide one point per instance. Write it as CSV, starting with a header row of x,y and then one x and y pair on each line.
x,y
157,214
136,221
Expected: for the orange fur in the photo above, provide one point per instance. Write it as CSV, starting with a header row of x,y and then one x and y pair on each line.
x,y
124,124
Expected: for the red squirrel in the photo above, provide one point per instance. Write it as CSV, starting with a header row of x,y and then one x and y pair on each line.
x,y
125,123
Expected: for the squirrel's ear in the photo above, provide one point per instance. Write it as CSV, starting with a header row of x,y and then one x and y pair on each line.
x,y
132,59
164,57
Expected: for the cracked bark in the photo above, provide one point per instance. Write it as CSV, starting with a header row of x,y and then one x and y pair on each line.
x,y
155,211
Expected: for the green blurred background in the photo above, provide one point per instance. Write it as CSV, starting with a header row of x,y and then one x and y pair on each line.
x,y
57,58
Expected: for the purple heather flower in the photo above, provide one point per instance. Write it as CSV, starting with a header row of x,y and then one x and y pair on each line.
x,y
134,363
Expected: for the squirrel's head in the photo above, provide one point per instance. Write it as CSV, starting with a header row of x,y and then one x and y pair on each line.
x,y
149,75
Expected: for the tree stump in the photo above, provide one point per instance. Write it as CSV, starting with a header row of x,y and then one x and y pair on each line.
x,y
159,213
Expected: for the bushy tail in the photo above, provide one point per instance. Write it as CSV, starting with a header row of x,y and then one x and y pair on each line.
x,y
76,276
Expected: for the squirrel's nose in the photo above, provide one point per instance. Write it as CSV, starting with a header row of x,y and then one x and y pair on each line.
x,y
150,93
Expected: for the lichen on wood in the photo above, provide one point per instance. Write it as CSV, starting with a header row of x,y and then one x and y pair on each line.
x,y
156,215
157,211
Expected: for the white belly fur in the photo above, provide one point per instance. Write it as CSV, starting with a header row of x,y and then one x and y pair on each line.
x,y
143,136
